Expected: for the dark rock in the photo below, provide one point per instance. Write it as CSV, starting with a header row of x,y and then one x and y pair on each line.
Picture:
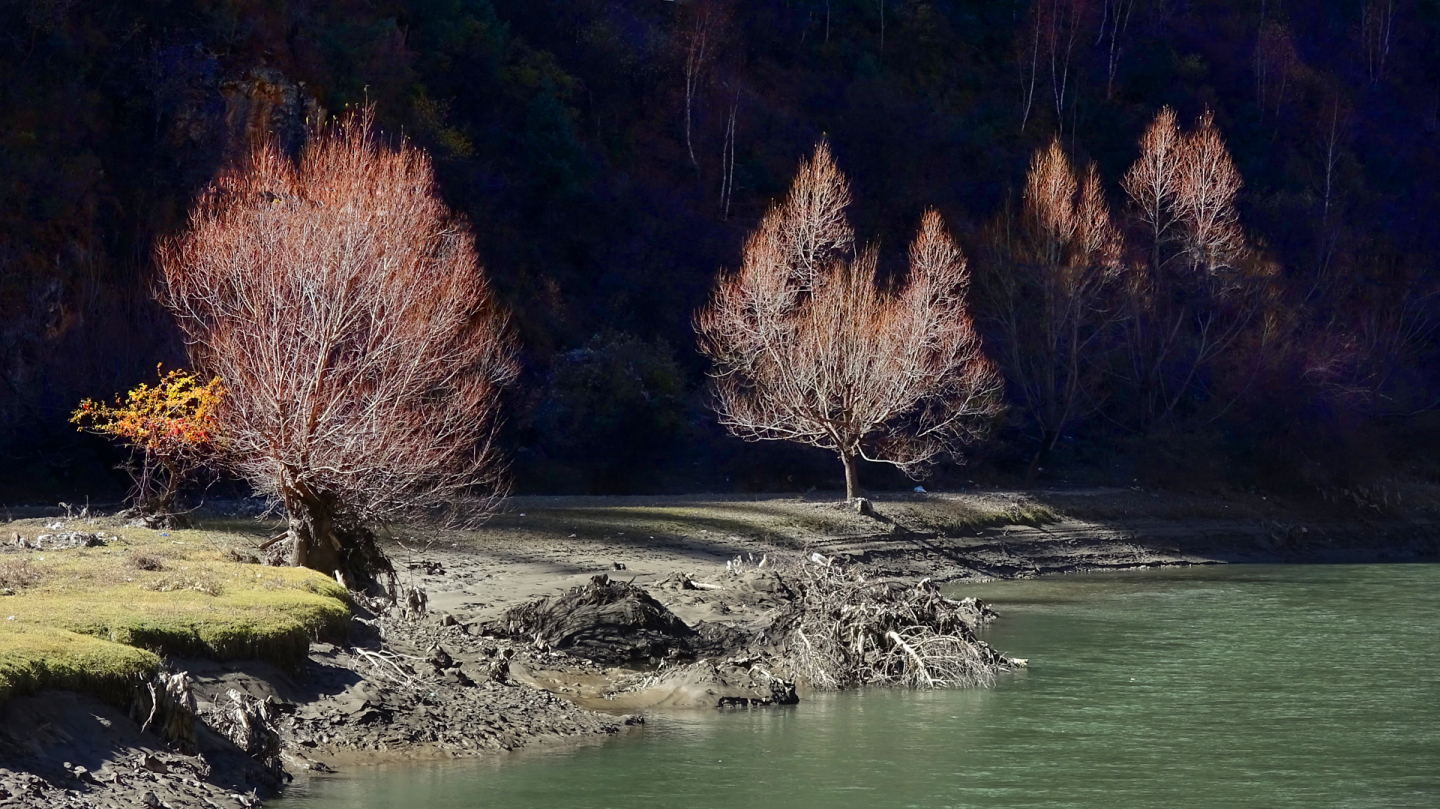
x,y
440,659
458,677
604,621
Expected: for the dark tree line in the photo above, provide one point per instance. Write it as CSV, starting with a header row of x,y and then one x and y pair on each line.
x,y
611,155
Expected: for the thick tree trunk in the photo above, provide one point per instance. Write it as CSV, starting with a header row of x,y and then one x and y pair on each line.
x,y
852,476
312,528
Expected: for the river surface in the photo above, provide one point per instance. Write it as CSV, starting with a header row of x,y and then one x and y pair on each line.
x,y
1236,686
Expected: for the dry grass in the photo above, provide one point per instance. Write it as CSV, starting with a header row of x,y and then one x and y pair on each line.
x,y
18,574
146,561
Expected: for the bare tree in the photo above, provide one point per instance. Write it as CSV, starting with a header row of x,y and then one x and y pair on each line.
x,y
1331,145
1050,34
1276,62
1027,59
808,348
1067,20
1114,22
702,32
343,307
1202,287
1152,183
1046,284
727,158
1377,24
1205,200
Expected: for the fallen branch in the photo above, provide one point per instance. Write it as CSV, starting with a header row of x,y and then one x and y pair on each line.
x,y
924,672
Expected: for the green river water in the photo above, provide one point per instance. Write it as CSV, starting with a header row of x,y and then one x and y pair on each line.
x,y
1237,686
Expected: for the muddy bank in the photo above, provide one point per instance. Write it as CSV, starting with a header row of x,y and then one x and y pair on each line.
x,y
404,689
705,628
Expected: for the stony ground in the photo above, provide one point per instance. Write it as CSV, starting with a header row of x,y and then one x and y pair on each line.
x,y
541,546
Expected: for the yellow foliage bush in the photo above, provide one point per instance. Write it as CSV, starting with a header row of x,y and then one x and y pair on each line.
x,y
172,425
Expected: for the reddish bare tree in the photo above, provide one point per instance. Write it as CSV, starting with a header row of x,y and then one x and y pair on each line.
x,y
1202,287
343,307
808,348
1046,285
1153,182
1205,200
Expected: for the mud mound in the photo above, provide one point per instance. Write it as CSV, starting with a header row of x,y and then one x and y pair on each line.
x,y
604,621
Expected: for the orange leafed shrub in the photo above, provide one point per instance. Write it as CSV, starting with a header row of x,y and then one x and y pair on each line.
x,y
172,424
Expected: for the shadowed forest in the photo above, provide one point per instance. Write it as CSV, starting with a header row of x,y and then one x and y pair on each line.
x,y
611,157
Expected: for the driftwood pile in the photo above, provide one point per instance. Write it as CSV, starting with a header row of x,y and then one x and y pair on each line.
x,y
250,724
844,630
824,625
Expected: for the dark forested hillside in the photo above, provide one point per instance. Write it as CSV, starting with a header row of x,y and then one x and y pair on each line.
x,y
611,155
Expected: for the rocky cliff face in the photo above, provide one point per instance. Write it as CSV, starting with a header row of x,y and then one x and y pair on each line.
x,y
264,102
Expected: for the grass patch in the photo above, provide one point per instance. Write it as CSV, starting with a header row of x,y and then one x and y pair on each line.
x,y
36,658
147,593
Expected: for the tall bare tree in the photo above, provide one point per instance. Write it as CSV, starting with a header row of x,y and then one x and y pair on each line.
x,y
1049,36
1276,63
343,307
1046,284
1153,182
1114,22
807,347
701,38
1201,287
1377,25
1205,198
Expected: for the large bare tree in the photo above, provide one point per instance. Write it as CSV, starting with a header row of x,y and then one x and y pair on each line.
x,y
343,307
807,347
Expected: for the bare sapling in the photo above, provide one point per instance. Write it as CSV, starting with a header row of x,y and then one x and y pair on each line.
x,y
808,348
1048,284
363,355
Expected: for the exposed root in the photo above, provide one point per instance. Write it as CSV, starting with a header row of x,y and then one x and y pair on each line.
x,y
386,665
845,630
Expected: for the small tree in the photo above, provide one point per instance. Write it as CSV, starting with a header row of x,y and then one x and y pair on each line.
x,y
171,426
343,305
807,348
1047,285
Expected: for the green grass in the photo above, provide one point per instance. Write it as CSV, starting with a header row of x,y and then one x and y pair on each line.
x,y
92,617
37,658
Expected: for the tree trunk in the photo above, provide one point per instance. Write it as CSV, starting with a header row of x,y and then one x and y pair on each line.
x,y
852,477
312,528
1047,443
